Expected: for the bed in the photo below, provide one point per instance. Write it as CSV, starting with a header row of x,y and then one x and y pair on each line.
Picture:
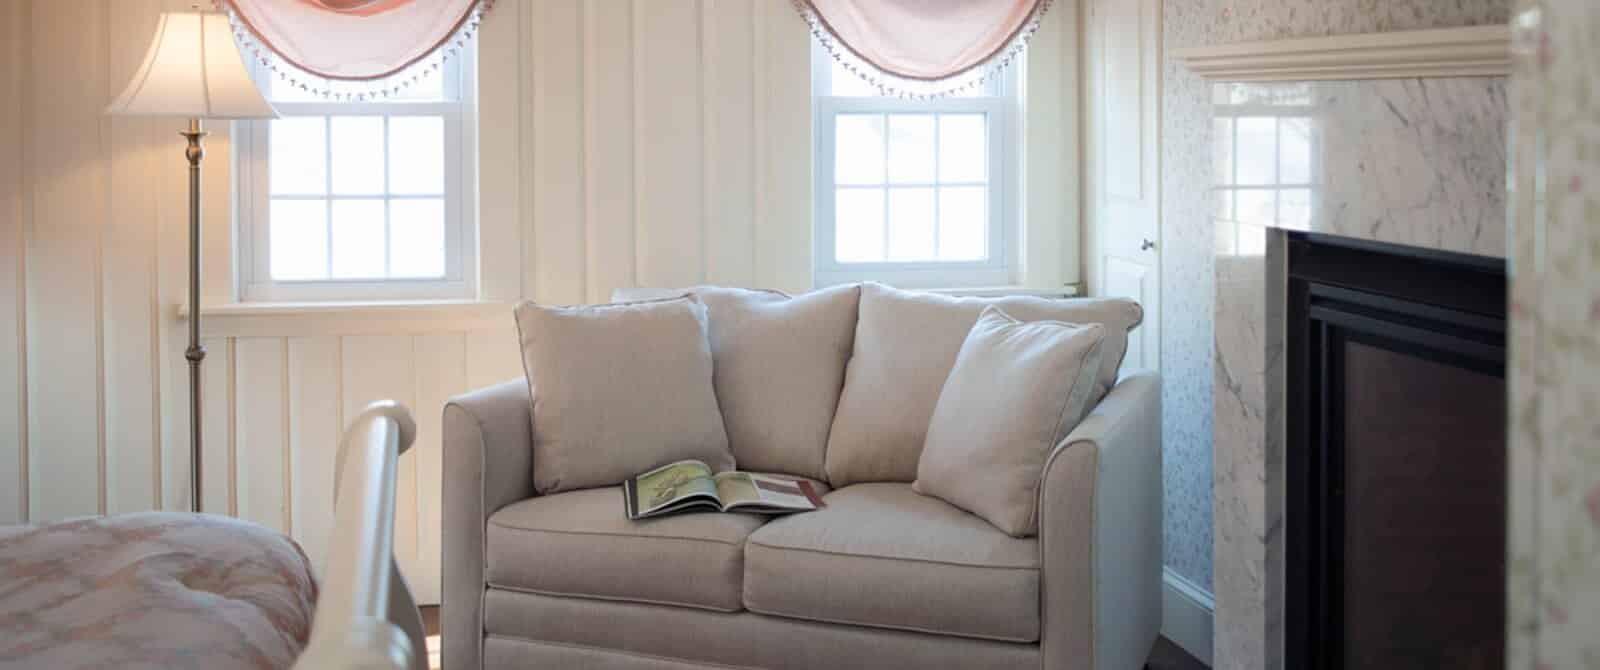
x,y
177,590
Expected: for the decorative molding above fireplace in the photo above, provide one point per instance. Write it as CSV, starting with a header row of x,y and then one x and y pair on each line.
x,y
1475,51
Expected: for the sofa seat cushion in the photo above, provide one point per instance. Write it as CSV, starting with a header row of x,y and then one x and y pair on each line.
x,y
883,555
579,543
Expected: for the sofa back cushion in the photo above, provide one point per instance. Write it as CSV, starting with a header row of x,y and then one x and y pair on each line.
x,y
618,390
906,343
1016,390
779,365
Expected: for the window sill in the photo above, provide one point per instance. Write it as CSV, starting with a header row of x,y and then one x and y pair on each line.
x,y
1068,291
292,319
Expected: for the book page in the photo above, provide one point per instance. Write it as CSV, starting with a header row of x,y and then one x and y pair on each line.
x,y
668,484
743,488
736,487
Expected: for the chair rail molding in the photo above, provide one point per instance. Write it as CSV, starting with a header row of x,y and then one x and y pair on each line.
x,y
1473,51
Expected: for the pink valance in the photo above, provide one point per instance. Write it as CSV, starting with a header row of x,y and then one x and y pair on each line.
x,y
923,47
356,40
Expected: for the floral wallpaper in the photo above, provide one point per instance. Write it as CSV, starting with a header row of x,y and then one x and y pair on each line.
x,y
1554,610
1188,269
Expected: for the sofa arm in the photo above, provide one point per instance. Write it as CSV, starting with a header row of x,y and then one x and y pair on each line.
x,y
1100,533
488,464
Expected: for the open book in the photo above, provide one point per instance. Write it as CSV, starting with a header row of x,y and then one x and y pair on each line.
x,y
690,485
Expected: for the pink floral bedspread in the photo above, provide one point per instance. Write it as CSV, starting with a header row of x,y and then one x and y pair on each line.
x,y
152,590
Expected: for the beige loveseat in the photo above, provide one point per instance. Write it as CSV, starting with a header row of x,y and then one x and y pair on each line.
x,y
883,577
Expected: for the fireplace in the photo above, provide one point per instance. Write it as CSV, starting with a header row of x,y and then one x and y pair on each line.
x,y
1395,463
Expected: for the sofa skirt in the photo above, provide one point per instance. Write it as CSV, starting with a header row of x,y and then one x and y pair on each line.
x,y
566,632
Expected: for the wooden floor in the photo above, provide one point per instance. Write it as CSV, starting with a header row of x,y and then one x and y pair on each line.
x,y
1168,656
1165,655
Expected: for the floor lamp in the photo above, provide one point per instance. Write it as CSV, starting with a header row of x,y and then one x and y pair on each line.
x,y
193,70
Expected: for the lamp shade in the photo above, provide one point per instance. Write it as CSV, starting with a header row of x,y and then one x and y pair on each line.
x,y
193,69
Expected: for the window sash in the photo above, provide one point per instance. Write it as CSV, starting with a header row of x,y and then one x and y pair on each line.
x,y
254,198
1000,108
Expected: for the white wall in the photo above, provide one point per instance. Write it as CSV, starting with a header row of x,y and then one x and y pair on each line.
x,y
640,142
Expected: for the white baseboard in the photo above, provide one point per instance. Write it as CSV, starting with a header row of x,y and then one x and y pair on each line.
x,y
1186,612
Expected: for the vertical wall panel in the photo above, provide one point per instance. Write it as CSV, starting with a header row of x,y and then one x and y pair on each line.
x,y
1049,120
783,145
441,373
608,147
68,188
502,198
217,484
668,146
728,110
170,182
557,177
380,367
493,356
14,48
262,436
314,430
128,289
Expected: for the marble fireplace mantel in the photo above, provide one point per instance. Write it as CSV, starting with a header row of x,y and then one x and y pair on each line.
x,y
1473,51
1393,137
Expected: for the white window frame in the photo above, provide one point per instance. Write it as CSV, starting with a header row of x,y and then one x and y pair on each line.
x,y
253,197
1003,107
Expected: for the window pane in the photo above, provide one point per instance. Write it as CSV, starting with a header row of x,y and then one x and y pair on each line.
x,y
416,238
1294,208
911,224
858,149
428,86
847,83
858,229
1258,150
963,152
1224,205
299,239
358,239
963,223
844,83
297,156
357,155
911,156
416,155
1222,151
1294,137
282,90
1257,207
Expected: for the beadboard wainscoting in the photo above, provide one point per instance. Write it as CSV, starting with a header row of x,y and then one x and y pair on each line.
x,y
276,402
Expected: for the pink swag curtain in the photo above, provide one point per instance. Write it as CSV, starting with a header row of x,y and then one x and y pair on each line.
x,y
378,41
923,47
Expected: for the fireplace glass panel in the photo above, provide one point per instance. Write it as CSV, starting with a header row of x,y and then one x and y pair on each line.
x,y
1424,512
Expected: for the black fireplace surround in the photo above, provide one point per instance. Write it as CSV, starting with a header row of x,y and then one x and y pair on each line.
x,y
1395,457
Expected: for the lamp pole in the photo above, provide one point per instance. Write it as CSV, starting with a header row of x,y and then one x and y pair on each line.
x,y
195,353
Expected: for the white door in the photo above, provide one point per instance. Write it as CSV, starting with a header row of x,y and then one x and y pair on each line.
x,y
1123,247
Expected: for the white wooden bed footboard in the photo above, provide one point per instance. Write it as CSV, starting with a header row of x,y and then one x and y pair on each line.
x,y
366,617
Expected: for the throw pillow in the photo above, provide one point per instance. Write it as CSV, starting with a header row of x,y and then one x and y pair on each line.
x,y
779,366
617,390
906,343
1016,390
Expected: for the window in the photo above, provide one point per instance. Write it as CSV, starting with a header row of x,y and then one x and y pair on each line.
x,y
367,200
915,192
1266,137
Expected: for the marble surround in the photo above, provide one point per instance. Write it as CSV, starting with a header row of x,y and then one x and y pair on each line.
x,y
1416,162
1190,265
